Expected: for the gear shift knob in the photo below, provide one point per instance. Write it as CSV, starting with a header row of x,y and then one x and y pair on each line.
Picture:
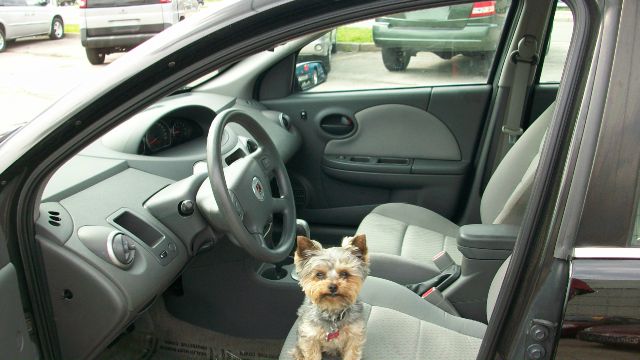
x,y
302,228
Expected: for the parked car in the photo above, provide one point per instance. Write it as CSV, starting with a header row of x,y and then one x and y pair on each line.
x,y
310,74
24,18
471,29
144,218
321,49
108,26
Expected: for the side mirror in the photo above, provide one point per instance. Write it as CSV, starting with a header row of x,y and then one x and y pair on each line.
x,y
310,74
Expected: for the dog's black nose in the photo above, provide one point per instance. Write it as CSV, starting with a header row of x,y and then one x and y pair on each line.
x,y
333,288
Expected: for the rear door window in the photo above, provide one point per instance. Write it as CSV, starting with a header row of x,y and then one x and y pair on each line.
x,y
558,46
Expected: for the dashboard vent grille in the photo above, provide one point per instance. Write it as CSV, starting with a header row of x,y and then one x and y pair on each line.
x,y
54,218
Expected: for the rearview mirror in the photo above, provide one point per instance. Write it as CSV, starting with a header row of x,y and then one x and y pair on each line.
x,y
310,74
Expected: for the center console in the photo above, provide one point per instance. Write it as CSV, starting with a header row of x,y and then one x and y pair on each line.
x,y
484,248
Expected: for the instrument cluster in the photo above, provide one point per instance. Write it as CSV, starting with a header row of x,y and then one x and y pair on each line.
x,y
167,133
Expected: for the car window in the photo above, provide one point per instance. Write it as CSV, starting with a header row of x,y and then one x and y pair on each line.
x,y
558,47
438,46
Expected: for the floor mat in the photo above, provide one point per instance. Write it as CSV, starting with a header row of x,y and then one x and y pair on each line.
x,y
160,336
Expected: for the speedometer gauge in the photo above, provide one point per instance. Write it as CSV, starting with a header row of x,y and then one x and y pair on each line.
x,y
157,137
181,130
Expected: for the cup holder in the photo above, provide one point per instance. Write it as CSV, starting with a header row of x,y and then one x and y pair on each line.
x,y
272,274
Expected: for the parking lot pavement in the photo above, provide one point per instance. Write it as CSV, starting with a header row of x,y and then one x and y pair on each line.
x,y
38,71
365,70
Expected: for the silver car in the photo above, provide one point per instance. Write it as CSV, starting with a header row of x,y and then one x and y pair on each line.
x,y
108,26
23,18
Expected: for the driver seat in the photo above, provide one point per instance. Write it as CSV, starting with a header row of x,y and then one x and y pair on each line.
x,y
403,239
401,325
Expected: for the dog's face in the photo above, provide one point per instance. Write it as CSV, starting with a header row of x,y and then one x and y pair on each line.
x,y
331,278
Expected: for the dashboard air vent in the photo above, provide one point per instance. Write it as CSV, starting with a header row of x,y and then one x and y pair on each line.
x,y
251,146
285,121
54,218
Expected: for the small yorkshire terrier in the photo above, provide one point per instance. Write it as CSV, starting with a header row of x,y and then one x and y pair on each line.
x,y
331,317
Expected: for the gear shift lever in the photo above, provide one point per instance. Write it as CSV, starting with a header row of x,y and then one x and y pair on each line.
x,y
302,228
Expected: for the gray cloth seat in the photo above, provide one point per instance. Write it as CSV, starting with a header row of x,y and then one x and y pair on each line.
x,y
403,238
401,325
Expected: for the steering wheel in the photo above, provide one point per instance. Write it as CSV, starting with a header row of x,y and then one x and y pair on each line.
x,y
242,190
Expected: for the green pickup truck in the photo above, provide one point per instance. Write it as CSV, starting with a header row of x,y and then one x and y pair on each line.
x,y
471,29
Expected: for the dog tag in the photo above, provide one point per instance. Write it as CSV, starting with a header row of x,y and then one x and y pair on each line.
x,y
333,335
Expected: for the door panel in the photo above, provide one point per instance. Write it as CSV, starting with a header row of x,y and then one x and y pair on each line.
x,y
15,341
409,145
41,18
17,17
381,128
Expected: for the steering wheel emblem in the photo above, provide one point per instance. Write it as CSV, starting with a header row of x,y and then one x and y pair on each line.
x,y
258,190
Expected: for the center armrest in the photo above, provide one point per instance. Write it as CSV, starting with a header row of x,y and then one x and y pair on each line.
x,y
487,241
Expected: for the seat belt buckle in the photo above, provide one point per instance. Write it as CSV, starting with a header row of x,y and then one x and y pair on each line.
x,y
443,260
435,297
513,134
428,292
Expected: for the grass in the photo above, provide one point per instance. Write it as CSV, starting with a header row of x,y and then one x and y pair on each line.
x,y
354,35
72,28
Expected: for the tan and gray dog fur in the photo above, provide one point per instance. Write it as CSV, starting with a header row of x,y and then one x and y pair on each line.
x,y
331,316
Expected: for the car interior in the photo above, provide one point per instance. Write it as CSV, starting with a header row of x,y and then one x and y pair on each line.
x,y
172,235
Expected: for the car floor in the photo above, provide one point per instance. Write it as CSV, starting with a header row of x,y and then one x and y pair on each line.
x,y
159,335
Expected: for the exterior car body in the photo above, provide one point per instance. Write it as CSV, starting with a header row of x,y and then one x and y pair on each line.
x,y
24,18
471,29
108,26
578,222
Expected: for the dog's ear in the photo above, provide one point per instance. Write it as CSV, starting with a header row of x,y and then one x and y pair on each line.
x,y
358,246
305,248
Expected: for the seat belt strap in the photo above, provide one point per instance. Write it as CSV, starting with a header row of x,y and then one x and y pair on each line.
x,y
525,58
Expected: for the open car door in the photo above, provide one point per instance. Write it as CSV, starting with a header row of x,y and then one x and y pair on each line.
x,y
15,341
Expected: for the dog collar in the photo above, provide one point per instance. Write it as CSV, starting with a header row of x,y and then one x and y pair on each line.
x,y
333,335
334,329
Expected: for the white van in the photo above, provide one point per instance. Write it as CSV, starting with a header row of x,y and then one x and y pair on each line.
x,y
108,26
22,18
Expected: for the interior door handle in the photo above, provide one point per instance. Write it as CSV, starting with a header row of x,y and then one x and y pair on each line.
x,y
337,124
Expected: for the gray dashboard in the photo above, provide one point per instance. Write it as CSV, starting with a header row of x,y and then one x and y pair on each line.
x,y
117,195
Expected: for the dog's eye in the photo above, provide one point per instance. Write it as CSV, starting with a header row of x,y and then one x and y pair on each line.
x,y
320,275
344,274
